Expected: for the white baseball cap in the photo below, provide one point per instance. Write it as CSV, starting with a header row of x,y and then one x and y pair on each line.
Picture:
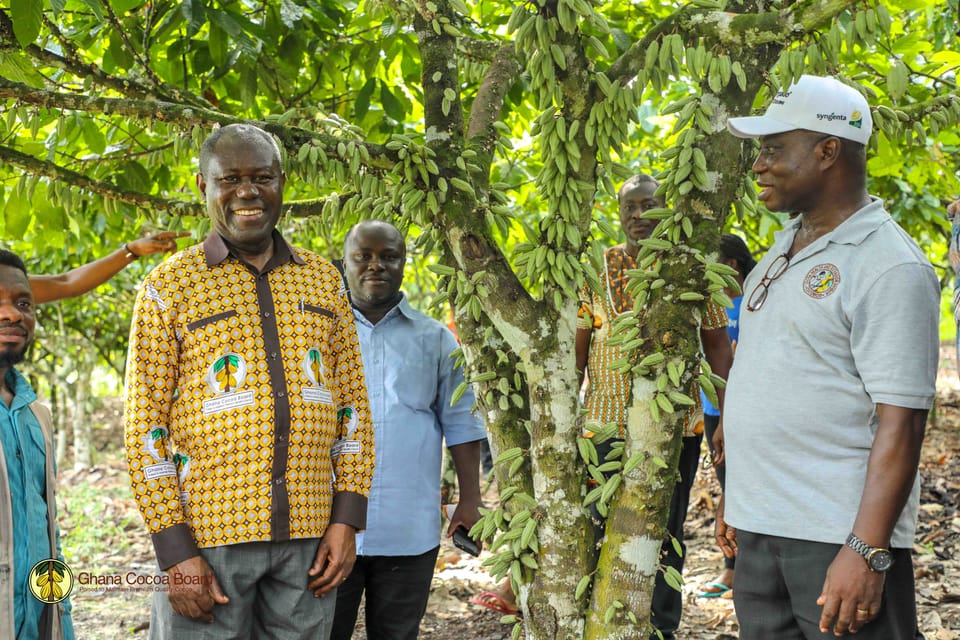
x,y
814,103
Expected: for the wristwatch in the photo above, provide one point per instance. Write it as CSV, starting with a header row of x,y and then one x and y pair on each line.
x,y
878,558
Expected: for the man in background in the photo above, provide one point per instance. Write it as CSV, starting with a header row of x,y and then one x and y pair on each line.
x,y
411,378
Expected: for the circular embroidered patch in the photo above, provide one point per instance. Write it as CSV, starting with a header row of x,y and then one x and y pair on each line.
x,y
821,281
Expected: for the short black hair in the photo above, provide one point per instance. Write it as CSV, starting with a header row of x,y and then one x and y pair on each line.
x,y
11,259
733,247
634,181
234,130
369,223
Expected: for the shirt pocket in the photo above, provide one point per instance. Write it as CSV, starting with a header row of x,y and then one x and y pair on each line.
x,y
413,375
212,335
305,332
217,317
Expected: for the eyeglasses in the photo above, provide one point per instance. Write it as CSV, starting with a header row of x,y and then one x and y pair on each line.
x,y
774,271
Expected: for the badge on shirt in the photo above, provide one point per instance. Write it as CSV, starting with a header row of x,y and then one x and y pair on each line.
x,y
350,420
225,376
154,443
821,281
316,373
344,446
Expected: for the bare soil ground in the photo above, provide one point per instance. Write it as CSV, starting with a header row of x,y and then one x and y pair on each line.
x,y
112,613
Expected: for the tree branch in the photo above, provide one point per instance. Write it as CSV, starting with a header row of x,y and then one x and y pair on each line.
x,y
731,30
503,72
81,69
128,45
54,171
292,138
43,168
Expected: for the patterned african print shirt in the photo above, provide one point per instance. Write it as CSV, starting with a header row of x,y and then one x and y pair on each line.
x,y
608,392
246,410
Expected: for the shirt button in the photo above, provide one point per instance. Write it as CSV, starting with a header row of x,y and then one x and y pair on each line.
x,y
280,394
273,354
266,314
278,481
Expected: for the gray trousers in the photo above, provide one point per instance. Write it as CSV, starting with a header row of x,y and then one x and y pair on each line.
x,y
778,581
267,586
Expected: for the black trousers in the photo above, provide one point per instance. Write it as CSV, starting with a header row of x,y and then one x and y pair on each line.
x,y
397,589
778,581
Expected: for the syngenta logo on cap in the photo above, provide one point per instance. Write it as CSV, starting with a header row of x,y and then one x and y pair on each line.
x,y
856,120
831,116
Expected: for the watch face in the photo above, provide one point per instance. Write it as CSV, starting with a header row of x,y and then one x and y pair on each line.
x,y
881,560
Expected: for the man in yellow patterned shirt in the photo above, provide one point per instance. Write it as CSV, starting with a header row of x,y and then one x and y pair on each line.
x,y
248,433
608,392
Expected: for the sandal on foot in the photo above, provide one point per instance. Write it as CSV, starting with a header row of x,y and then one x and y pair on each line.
x,y
713,590
495,602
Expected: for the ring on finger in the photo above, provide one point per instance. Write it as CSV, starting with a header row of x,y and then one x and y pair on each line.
x,y
863,612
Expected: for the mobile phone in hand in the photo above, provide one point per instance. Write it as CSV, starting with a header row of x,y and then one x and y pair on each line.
x,y
462,540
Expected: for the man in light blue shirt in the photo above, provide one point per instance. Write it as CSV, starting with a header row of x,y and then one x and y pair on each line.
x,y
410,380
24,536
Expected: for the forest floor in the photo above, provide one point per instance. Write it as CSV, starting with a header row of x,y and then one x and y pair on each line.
x,y
104,535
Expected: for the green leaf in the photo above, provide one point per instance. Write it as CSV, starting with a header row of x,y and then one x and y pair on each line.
x,y
238,27
93,136
134,177
16,214
290,13
621,39
196,15
362,104
122,6
391,105
27,18
249,81
16,66
217,45
388,27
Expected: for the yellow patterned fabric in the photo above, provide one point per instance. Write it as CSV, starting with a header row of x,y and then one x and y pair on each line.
x,y
608,392
246,410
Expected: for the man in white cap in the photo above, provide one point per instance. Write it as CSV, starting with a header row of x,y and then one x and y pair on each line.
x,y
828,395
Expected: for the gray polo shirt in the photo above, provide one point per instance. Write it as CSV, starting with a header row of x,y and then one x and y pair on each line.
x,y
851,323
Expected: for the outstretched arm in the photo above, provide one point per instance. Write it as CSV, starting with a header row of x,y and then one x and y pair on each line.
x,y
82,279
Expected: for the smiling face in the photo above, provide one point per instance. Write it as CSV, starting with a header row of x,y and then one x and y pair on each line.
x,y
17,320
633,201
243,184
788,170
373,259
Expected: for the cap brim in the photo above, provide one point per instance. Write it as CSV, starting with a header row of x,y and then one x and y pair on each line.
x,y
756,126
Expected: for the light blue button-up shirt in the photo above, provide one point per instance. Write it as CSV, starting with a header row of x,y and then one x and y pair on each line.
x,y
410,379
25,455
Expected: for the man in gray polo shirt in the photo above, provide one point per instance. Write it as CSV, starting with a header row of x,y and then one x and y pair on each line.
x,y
828,395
